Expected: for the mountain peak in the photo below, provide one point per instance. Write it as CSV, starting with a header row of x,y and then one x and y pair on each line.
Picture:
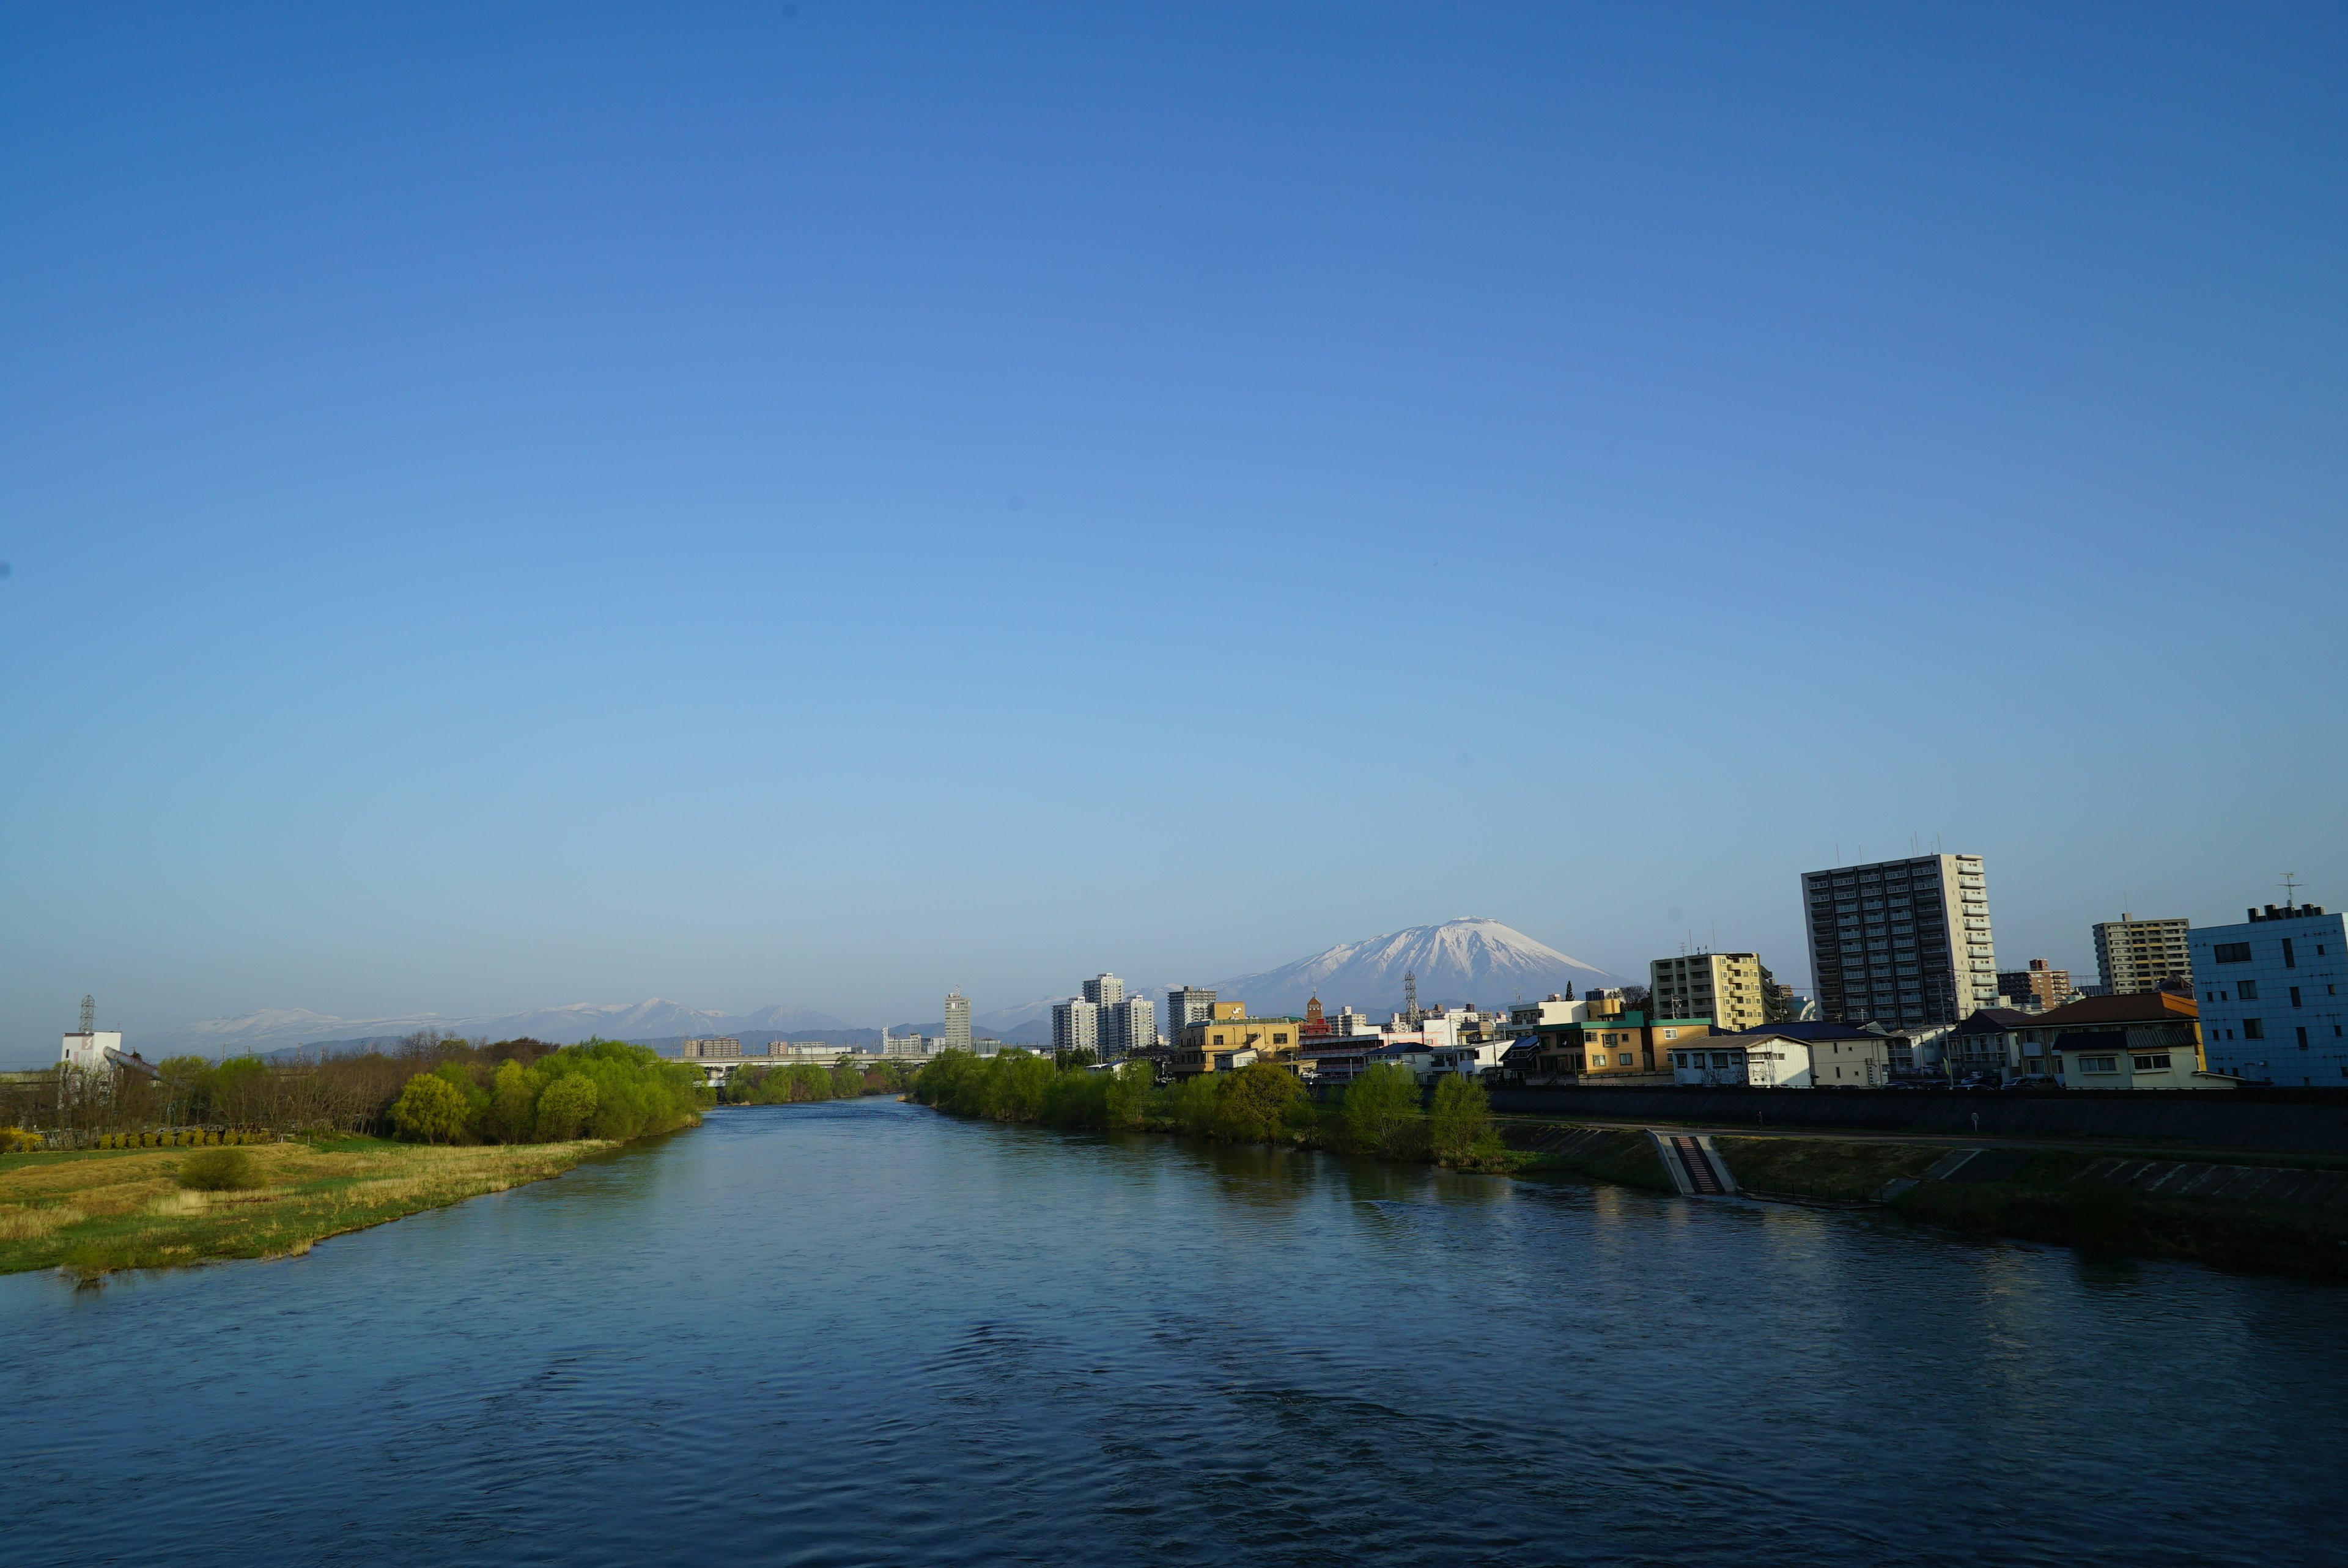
x,y
1473,957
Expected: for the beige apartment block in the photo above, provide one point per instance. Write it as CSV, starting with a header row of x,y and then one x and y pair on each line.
x,y
2134,956
1723,987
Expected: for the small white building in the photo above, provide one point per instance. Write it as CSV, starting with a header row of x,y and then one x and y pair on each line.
x,y
1465,1061
1767,1058
87,1048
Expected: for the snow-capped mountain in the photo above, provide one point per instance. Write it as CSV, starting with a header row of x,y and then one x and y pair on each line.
x,y
656,1019
1476,961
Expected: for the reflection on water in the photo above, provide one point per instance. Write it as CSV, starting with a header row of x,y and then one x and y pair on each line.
x,y
866,1334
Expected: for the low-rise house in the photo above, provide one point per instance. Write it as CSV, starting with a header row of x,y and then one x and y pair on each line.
x,y
1603,1047
1466,1060
2153,1023
1988,1040
2106,1058
1795,1056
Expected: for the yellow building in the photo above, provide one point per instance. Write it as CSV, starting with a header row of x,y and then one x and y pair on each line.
x,y
1723,987
1232,1040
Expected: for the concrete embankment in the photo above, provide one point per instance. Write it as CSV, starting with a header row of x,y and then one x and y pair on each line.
x,y
2273,1218
2297,1121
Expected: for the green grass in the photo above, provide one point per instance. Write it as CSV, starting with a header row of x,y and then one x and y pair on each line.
x,y
95,1210
1621,1156
1820,1167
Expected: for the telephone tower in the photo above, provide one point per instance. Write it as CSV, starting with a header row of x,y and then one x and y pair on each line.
x,y
89,1015
1410,999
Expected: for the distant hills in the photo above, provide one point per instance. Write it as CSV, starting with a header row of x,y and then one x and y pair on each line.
x,y
656,1019
1475,959
1472,959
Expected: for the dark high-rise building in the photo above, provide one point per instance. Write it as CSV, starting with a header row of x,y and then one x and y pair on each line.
x,y
1901,942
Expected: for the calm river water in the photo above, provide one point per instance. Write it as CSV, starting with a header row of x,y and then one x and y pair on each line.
x,y
867,1334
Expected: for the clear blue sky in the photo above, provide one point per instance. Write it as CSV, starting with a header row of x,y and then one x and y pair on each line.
x,y
519,505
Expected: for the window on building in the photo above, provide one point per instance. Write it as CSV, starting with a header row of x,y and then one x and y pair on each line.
x,y
2254,1029
2232,952
1623,1059
2247,989
2290,960
2294,996
2099,1064
2151,1063
2302,1036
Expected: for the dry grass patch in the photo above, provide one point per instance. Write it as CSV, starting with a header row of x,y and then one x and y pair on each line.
x,y
124,1209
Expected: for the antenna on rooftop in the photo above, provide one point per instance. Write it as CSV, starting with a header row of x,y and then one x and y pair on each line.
x,y
88,1015
2290,885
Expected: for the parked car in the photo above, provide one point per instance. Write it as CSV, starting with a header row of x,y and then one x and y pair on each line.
x,y
1978,1081
2036,1080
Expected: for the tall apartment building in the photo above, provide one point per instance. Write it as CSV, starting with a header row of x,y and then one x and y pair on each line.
x,y
1104,990
715,1048
957,1021
2134,956
1901,942
1186,1005
2271,1008
1076,1025
1127,1026
1723,987
2038,987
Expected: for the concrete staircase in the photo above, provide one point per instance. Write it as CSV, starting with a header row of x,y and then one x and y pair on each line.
x,y
1695,1166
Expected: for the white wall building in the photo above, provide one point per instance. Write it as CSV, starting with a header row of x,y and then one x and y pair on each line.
x,y
957,1021
1127,1026
87,1048
1075,1024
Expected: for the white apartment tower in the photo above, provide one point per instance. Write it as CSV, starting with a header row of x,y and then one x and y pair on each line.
x,y
2134,956
1105,990
1901,942
1075,1024
1127,1026
957,1036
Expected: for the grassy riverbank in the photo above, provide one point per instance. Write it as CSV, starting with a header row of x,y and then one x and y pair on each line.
x,y
102,1210
2047,1198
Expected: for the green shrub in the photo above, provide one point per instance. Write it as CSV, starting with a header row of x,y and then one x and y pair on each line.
x,y
430,1109
1381,1112
220,1171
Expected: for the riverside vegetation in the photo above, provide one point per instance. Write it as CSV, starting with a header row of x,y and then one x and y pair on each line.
x,y
1380,1113
463,1127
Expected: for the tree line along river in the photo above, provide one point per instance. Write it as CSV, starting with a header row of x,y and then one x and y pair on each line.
x,y
864,1332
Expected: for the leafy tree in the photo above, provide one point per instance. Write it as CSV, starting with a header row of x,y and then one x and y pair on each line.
x,y
1381,1111
565,1105
1073,1058
1251,1103
512,1109
1126,1093
1194,1104
430,1111
1459,1119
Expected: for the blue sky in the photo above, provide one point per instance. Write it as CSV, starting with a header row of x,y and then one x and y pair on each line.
x,y
521,505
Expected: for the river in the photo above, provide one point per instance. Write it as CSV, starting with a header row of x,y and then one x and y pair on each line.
x,y
865,1333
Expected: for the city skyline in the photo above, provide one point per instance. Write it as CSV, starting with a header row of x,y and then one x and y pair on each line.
x,y
639,525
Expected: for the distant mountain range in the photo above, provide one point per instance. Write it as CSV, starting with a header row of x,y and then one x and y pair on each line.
x,y
656,1019
1476,961
1470,959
